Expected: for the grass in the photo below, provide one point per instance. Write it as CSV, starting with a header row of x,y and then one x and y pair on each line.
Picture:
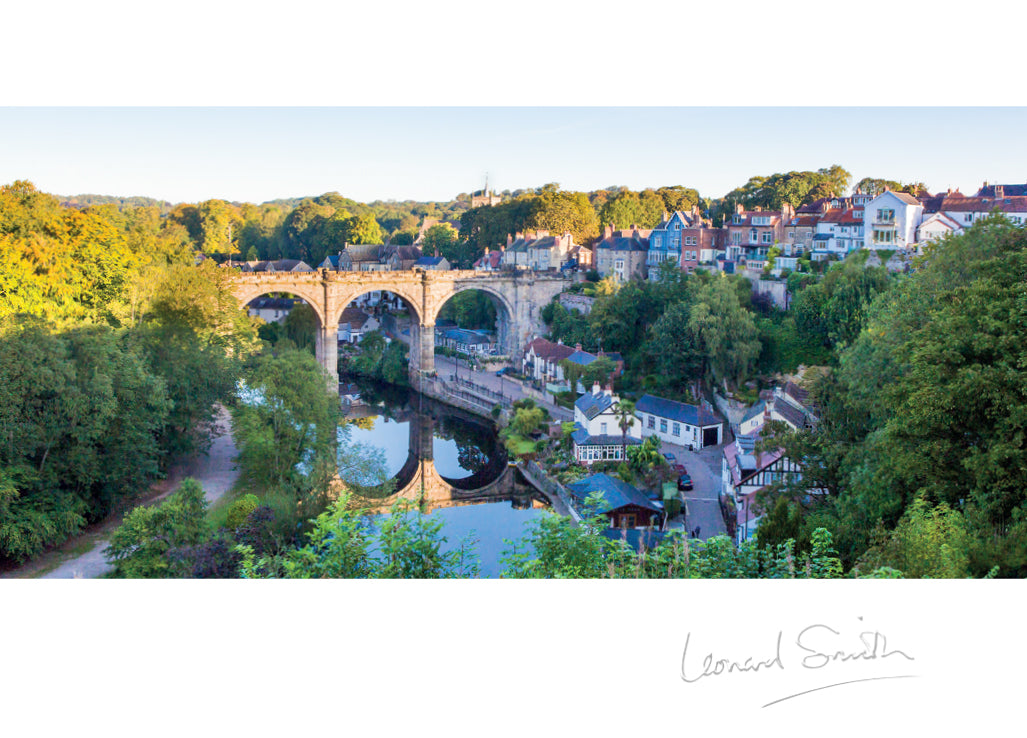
x,y
217,514
518,445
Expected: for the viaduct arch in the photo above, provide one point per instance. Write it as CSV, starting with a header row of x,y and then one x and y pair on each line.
x,y
521,294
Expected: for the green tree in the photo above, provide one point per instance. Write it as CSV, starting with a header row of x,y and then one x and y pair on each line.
x,y
139,547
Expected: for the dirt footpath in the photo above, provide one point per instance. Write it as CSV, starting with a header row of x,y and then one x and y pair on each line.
x,y
215,471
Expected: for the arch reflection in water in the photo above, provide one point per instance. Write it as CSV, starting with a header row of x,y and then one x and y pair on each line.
x,y
446,462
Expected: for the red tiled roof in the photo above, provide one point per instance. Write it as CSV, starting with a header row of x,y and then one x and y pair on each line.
x,y
550,351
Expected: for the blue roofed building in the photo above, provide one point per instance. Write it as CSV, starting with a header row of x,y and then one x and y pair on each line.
x,y
624,505
597,434
435,263
694,426
467,341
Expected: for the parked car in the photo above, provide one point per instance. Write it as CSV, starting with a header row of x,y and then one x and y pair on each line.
x,y
679,468
670,457
504,370
685,482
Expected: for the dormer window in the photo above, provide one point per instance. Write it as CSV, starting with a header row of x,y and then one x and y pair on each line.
x,y
857,214
736,219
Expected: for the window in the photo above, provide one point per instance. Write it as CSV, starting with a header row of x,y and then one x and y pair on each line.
x,y
737,219
736,237
885,215
968,218
652,422
627,520
752,235
677,429
602,428
663,425
791,235
884,236
768,237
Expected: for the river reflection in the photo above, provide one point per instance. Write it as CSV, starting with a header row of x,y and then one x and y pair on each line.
x,y
451,464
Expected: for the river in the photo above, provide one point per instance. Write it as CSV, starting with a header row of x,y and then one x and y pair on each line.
x,y
452,461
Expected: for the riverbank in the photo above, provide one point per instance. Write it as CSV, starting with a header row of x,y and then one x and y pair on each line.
x,y
81,557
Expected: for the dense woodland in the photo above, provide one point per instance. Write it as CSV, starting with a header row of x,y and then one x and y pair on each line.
x,y
116,350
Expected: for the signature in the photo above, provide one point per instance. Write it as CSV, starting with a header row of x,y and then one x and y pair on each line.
x,y
821,644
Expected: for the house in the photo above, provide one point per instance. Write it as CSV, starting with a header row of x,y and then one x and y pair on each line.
x,y
433,263
357,257
622,254
270,309
281,265
399,258
965,211
665,241
597,433
354,323
744,472
490,261
694,426
751,233
934,227
838,233
624,505
466,341
890,221
584,359
781,404
1001,191
515,253
542,360
547,252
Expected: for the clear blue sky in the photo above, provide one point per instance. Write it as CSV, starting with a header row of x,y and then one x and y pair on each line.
x,y
259,154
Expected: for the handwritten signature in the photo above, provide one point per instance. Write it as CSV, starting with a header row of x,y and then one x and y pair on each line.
x,y
822,645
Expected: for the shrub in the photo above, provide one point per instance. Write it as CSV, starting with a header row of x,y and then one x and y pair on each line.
x,y
239,510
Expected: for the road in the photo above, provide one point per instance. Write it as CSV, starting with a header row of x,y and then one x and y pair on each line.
x,y
703,499
216,472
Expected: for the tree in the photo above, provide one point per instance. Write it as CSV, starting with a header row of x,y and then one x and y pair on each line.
x,y
624,412
928,542
725,333
139,548
439,240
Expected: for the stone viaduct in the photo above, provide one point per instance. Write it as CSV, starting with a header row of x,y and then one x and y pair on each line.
x,y
519,297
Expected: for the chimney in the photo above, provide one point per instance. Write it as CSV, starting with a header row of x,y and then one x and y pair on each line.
x,y
608,231
509,239
577,347
787,211
608,390
1000,191
541,234
595,388
666,216
739,209
758,209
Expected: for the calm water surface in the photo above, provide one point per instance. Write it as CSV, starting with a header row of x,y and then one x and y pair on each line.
x,y
465,451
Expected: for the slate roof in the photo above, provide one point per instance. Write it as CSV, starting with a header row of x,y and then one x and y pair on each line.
x,y
582,438
548,350
466,336
984,204
622,243
906,198
796,392
592,405
792,415
1009,190
753,411
582,357
272,303
616,493
354,316
492,260
364,251
679,411
429,261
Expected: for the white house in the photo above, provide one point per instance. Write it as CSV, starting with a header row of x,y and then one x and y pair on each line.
x,y
354,323
679,423
744,472
597,434
838,232
270,309
890,221
542,360
936,226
